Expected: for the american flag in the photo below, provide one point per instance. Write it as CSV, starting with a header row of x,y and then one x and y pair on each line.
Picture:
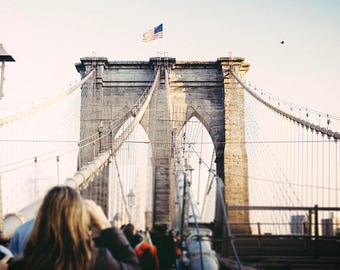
x,y
156,32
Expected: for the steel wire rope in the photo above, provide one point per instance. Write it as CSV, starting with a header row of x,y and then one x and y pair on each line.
x,y
79,178
278,131
323,170
288,115
260,168
293,105
301,167
307,161
279,167
194,129
196,224
254,153
208,184
121,188
336,173
291,162
253,192
317,163
265,189
219,187
39,157
329,170
199,168
130,112
256,125
268,180
274,158
134,183
46,104
312,170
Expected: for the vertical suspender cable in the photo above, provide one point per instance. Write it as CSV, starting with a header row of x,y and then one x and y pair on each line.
x,y
122,189
199,168
196,225
312,171
329,172
298,166
317,168
323,171
220,187
336,173
308,185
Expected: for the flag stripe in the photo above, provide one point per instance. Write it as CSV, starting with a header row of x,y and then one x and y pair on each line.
x,y
152,34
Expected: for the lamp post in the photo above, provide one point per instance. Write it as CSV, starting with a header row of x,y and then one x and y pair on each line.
x,y
131,202
100,132
185,203
4,57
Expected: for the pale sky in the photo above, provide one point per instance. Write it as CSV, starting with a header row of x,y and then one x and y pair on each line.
x,y
48,37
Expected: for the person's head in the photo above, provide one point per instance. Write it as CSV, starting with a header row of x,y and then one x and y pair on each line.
x,y
129,230
60,238
172,233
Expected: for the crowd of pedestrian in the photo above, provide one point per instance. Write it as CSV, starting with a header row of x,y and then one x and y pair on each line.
x,y
62,237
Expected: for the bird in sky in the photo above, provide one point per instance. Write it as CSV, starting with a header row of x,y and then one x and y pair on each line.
x,y
282,42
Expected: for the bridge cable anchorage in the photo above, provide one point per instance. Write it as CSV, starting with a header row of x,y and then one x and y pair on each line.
x,y
325,131
46,104
220,187
99,162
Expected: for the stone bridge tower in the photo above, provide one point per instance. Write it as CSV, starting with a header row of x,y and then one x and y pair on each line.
x,y
187,88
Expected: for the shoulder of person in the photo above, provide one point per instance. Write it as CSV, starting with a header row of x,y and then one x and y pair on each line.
x,y
102,259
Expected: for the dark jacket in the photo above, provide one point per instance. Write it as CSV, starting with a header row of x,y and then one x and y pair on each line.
x,y
113,252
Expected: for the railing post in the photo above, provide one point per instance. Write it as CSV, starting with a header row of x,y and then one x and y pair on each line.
x,y
310,223
316,231
258,228
309,241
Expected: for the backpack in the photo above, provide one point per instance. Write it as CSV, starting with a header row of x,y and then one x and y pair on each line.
x,y
147,260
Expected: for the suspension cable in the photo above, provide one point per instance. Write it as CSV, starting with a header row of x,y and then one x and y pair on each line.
x,y
220,187
87,172
300,121
47,103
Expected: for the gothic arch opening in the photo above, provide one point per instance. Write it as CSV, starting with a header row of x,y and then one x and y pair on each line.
x,y
197,152
131,179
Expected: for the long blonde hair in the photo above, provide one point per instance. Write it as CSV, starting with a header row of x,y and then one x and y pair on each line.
x,y
60,238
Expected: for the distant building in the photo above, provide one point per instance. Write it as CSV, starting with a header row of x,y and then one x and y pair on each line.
x,y
327,227
297,223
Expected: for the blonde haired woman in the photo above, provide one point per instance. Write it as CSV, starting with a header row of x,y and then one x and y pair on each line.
x,y
61,239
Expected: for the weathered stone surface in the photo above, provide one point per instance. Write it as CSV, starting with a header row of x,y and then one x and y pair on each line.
x,y
201,89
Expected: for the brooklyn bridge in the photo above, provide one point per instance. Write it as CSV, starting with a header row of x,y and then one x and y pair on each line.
x,y
248,179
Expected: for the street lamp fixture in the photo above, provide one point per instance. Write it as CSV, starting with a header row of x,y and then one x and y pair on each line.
x,y
4,57
131,196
